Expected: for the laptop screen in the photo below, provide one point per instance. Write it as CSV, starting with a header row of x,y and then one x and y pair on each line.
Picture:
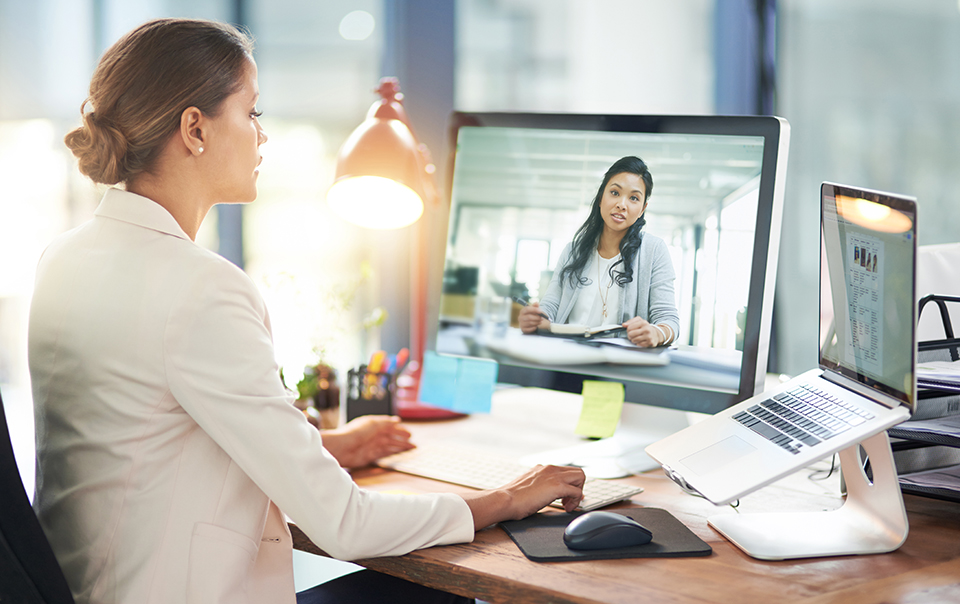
x,y
867,281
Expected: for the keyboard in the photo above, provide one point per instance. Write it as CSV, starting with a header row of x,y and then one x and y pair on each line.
x,y
477,470
802,417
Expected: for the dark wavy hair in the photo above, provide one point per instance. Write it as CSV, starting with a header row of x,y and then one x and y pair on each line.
x,y
587,237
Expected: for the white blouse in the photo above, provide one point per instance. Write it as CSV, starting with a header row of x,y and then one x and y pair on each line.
x,y
599,291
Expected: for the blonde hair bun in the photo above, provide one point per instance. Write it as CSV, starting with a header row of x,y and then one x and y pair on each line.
x,y
101,150
144,83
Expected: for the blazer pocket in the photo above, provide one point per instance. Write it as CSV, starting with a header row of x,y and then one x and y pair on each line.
x,y
220,561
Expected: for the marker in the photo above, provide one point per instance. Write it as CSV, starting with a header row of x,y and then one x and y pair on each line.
x,y
376,361
402,357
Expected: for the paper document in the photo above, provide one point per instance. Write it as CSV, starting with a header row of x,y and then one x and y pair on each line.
x,y
943,478
622,343
546,350
942,426
572,329
939,371
928,384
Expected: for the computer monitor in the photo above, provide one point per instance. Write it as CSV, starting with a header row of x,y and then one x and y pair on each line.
x,y
521,184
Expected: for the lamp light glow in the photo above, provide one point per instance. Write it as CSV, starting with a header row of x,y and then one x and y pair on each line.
x,y
383,174
873,212
873,215
374,202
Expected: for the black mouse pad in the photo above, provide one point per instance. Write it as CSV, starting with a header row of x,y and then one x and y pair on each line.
x,y
540,537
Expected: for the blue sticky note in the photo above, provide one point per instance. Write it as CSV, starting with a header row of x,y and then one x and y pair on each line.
x,y
438,380
476,380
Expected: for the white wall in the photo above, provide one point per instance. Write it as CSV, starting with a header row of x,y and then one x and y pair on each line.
x,y
586,56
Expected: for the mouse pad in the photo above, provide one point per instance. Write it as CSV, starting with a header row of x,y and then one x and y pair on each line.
x,y
540,537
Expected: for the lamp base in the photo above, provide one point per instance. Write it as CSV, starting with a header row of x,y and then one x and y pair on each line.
x,y
407,404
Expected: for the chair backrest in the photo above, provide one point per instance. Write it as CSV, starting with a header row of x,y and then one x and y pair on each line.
x,y
938,272
29,572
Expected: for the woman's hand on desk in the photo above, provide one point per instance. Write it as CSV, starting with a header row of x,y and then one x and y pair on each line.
x,y
532,318
527,495
642,333
366,439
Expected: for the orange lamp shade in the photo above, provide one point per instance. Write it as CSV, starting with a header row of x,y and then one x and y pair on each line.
x,y
379,181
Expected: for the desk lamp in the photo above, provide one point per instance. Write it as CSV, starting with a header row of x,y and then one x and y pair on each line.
x,y
384,180
383,174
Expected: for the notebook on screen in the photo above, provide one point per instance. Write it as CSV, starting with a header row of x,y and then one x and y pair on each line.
x,y
866,380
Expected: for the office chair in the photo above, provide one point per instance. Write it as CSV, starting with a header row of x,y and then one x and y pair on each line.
x,y
29,573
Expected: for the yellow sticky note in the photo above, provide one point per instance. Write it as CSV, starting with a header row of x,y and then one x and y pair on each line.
x,y
602,404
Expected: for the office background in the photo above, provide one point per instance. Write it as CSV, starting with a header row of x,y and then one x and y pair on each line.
x,y
871,88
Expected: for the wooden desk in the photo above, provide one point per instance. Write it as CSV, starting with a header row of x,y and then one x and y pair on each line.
x,y
925,569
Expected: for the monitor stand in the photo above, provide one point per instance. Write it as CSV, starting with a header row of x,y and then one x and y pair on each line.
x,y
623,453
872,520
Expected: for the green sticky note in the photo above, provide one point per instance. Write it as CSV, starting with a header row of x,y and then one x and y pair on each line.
x,y
602,404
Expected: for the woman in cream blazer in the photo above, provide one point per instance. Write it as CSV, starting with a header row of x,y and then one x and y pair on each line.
x,y
167,445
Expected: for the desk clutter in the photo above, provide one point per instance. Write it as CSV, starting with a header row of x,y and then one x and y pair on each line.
x,y
540,537
318,395
940,440
371,388
927,447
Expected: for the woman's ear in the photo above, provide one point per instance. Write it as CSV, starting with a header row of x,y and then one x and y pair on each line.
x,y
192,125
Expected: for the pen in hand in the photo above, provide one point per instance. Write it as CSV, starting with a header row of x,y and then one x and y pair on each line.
x,y
523,302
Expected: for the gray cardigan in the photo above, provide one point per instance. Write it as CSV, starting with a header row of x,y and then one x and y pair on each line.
x,y
650,294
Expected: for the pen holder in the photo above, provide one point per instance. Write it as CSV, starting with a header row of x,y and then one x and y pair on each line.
x,y
369,393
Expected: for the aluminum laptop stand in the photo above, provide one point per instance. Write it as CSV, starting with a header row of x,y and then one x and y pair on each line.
x,y
872,520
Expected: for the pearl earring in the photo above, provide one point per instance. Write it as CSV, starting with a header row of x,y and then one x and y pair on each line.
x,y
200,150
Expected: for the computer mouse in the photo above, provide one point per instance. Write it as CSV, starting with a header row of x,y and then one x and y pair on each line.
x,y
605,530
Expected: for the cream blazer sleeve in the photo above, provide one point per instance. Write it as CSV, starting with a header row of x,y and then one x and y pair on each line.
x,y
221,368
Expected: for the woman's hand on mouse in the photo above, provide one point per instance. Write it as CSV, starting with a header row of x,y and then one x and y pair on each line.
x,y
527,495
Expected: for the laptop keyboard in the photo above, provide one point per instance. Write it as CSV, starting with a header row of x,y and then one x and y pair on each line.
x,y
474,469
802,417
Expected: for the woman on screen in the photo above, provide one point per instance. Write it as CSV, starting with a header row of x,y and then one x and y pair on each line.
x,y
613,273
169,453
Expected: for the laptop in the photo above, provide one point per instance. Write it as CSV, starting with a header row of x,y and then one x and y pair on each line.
x,y
866,379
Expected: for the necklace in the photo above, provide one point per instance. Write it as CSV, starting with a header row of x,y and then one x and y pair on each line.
x,y
603,296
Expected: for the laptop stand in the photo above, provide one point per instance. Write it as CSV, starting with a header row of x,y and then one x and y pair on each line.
x,y
872,520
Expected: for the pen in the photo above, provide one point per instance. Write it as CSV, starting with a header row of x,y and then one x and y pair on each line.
x,y
523,302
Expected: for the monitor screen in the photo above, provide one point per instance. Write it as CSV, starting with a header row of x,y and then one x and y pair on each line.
x,y
521,188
